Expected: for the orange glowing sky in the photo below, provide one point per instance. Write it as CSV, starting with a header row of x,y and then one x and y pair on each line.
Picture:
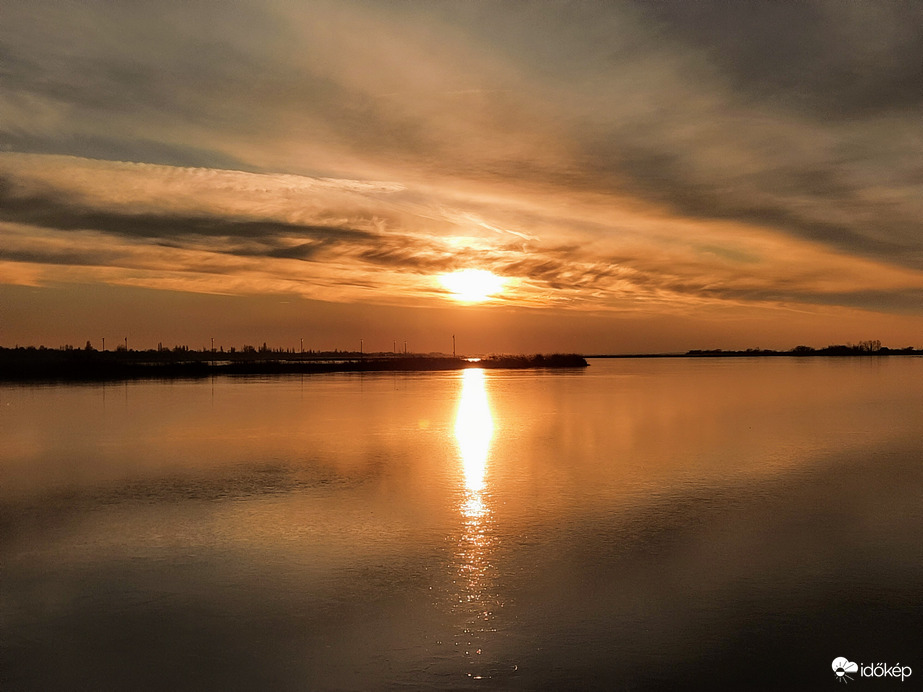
x,y
635,176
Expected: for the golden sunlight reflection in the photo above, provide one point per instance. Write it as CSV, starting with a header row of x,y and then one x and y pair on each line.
x,y
474,427
473,596
473,285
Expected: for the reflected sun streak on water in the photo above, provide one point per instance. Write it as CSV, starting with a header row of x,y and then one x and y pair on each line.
x,y
474,428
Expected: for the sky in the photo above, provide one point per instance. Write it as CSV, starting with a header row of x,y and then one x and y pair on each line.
x,y
638,176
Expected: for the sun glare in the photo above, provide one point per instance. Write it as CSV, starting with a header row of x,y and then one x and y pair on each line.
x,y
472,285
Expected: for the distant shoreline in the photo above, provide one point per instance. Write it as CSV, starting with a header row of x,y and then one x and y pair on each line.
x,y
860,351
72,365
744,354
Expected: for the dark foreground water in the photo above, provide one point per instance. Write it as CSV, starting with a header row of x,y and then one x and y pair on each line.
x,y
643,524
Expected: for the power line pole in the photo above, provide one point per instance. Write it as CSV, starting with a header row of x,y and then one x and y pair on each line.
x,y
453,345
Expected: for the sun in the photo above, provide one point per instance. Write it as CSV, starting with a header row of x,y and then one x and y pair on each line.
x,y
472,285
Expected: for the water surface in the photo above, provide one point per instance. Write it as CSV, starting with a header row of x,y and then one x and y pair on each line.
x,y
642,524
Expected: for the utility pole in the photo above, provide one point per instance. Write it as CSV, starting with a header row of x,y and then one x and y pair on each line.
x,y
213,344
302,345
360,347
453,345
104,343
126,344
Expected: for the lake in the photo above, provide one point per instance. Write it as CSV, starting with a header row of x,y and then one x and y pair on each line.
x,y
642,524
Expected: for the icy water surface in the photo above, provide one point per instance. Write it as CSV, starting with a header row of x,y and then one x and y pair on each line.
x,y
642,524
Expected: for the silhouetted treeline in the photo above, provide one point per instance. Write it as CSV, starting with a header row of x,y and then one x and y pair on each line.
x,y
70,364
863,348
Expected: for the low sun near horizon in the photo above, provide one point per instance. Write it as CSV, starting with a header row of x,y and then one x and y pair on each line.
x,y
472,285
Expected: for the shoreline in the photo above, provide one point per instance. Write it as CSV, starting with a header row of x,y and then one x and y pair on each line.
x,y
39,365
744,354
46,365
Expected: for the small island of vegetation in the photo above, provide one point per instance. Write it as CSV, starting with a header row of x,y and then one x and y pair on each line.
x,y
25,364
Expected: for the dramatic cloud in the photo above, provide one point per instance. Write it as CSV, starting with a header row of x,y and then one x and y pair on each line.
x,y
609,158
